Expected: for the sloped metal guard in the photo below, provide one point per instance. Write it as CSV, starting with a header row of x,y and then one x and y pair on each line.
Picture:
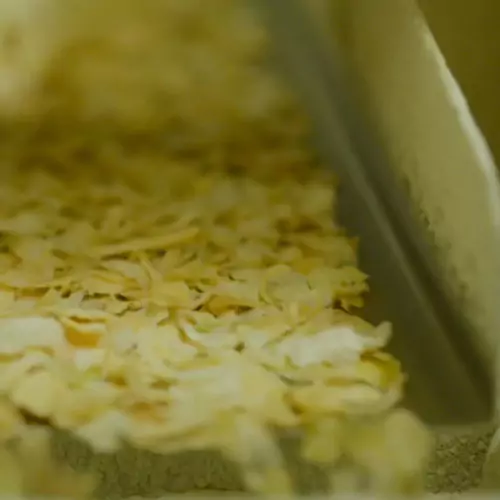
x,y
450,376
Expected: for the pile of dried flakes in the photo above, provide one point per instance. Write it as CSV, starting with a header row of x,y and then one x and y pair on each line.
x,y
190,310
197,296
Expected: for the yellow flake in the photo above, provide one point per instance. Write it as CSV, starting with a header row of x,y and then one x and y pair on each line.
x,y
105,433
83,334
38,393
16,368
342,399
172,294
130,270
323,441
20,334
153,243
10,422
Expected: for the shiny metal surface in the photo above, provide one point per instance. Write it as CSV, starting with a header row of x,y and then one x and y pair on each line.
x,y
450,375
